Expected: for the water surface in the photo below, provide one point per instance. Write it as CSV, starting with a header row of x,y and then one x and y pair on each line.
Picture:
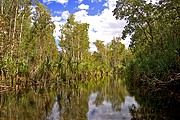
x,y
99,99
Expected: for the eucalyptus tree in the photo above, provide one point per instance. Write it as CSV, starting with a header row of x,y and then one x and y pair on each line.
x,y
26,39
101,48
110,56
74,38
74,42
15,18
43,28
42,50
118,50
13,14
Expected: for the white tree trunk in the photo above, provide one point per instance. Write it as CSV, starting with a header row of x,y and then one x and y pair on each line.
x,y
14,31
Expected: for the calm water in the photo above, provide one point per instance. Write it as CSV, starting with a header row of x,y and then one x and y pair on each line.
x,y
100,99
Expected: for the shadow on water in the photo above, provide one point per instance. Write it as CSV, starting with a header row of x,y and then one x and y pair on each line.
x,y
154,104
99,99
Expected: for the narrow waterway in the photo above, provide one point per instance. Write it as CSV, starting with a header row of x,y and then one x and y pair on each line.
x,y
99,99
105,99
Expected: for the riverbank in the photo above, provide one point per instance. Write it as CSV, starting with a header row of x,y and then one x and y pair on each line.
x,y
159,99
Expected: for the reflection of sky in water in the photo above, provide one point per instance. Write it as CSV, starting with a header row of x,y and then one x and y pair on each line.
x,y
105,111
55,112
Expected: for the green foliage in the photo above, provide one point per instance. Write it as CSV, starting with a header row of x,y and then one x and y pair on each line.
x,y
23,69
111,57
27,45
74,42
155,45
30,52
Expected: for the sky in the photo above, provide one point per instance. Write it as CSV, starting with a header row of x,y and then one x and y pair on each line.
x,y
97,13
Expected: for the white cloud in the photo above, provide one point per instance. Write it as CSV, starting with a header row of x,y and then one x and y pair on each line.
x,y
59,20
83,7
57,12
81,14
96,1
58,1
80,1
57,29
65,15
103,26
56,18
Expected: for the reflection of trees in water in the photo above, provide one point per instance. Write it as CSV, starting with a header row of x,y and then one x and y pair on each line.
x,y
156,105
112,91
72,101
27,105
110,102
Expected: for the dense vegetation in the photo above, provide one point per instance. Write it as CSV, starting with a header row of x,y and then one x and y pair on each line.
x,y
154,71
29,55
155,40
151,66
27,44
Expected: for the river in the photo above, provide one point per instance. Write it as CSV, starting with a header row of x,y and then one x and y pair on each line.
x,y
99,99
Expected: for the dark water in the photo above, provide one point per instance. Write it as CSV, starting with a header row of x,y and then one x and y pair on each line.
x,y
99,99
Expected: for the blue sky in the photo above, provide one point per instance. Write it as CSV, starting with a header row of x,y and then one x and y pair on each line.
x,y
97,13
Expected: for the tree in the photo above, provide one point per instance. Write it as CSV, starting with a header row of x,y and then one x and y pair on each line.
x,y
12,26
74,42
155,39
118,50
26,42
43,29
101,49
148,23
